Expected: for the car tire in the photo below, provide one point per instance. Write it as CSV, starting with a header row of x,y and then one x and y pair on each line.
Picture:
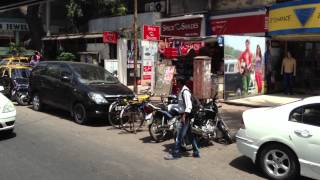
x,y
279,162
79,114
37,105
8,132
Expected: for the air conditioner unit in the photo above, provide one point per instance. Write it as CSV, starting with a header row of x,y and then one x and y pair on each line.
x,y
149,7
160,6
155,7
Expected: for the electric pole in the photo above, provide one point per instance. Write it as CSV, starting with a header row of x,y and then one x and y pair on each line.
x,y
135,17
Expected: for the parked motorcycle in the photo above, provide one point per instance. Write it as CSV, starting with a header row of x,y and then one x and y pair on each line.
x,y
164,120
20,91
206,123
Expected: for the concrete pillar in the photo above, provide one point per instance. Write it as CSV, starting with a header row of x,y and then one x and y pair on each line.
x,y
48,17
17,37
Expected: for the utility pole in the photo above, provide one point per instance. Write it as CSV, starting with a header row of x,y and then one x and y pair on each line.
x,y
135,17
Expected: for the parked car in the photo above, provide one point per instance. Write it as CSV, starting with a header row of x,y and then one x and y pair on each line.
x,y
15,79
283,141
82,89
7,113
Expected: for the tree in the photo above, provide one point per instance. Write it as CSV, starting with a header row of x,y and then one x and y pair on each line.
x,y
81,11
32,15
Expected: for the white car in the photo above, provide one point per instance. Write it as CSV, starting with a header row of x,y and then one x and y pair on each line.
x,y
7,114
283,141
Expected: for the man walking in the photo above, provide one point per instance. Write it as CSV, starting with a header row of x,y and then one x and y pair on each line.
x,y
288,70
183,127
245,67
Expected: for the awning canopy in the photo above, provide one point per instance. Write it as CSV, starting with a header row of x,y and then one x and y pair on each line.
x,y
72,36
6,5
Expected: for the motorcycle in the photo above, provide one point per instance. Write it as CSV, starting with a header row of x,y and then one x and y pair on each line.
x,y
206,123
20,91
164,119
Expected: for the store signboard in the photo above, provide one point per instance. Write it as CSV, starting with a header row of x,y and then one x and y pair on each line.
x,y
245,23
110,37
151,33
294,17
244,66
149,56
182,28
13,27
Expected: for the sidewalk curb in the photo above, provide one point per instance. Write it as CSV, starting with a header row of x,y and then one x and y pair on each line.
x,y
244,104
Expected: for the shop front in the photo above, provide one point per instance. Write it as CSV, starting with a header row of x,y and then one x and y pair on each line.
x,y
294,27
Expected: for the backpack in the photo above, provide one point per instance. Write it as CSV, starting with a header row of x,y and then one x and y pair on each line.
x,y
195,102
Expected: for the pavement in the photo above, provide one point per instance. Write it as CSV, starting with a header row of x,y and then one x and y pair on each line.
x,y
265,100
49,145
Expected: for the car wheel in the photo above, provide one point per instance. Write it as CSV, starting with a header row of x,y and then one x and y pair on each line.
x,y
279,162
36,103
79,114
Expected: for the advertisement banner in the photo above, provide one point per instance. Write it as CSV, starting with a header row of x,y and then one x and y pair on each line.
x,y
173,48
182,28
244,66
296,17
149,56
110,37
255,22
151,33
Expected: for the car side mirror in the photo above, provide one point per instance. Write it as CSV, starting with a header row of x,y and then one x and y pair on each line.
x,y
1,88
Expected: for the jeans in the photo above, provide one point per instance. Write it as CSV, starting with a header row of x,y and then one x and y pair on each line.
x,y
246,82
288,82
184,129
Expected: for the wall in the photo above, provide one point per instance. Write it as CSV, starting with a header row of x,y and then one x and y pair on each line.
x,y
117,23
102,48
240,4
180,7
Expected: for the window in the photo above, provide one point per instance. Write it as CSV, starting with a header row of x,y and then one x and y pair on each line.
x,y
309,114
53,71
231,68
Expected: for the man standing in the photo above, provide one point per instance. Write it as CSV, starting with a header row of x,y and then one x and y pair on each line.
x,y
288,70
268,67
183,127
245,67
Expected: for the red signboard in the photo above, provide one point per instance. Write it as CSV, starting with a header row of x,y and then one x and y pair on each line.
x,y
151,33
147,68
239,24
147,77
182,28
110,37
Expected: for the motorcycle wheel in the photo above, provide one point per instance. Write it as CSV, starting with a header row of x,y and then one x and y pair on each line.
x,y
23,101
226,134
157,134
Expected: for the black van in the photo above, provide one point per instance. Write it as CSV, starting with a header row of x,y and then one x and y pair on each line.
x,y
83,89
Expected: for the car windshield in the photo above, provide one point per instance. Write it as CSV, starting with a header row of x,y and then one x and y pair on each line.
x,y
21,73
91,74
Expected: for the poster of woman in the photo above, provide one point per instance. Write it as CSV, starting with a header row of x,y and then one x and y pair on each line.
x,y
244,66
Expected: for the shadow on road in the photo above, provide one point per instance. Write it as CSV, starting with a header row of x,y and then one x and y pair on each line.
x,y
147,139
65,115
5,136
245,164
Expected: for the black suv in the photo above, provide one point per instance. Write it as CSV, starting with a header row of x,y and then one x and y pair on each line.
x,y
84,90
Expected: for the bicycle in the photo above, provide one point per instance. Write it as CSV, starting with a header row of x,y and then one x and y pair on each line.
x,y
133,115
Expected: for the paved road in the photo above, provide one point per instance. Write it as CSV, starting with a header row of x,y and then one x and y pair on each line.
x,y
49,146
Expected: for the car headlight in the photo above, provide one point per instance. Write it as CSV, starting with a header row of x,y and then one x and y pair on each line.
x,y
9,107
97,98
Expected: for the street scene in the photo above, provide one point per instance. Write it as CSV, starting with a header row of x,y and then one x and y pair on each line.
x,y
159,89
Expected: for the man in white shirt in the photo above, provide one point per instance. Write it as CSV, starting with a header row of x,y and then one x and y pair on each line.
x,y
183,127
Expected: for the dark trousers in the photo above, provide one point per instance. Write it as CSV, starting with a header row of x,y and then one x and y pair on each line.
x,y
268,78
184,129
288,83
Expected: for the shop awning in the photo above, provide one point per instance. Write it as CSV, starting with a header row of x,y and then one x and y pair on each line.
x,y
72,36
294,20
7,5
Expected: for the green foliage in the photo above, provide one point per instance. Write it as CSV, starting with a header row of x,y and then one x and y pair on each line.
x,y
80,11
15,49
66,56
231,53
